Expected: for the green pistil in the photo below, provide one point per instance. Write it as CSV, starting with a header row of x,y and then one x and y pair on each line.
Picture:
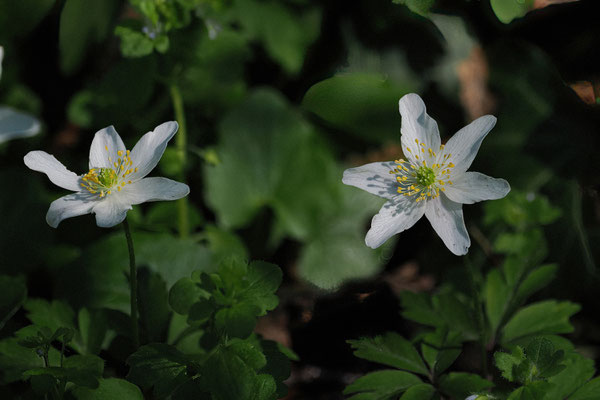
x,y
425,176
107,177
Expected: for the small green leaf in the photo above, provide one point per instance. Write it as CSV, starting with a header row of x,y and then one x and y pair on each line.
x,y
42,384
134,43
506,362
497,294
418,308
440,349
109,389
423,391
461,384
540,352
390,349
577,370
533,320
383,384
533,391
536,280
420,7
238,320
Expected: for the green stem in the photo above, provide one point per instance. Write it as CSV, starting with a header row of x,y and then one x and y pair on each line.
x,y
133,287
181,144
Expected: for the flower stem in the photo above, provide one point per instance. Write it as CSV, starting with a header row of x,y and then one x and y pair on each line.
x,y
181,143
133,287
475,278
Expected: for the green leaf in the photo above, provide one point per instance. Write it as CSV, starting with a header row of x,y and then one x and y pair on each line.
x,y
154,310
260,284
461,384
508,10
507,363
533,320
390,349
109,389
286,34
13,292
423,391
42,384
418,308
365,105
383,384
228,377
16,359
54,315
521,209
440,349
278,365
134,43
159,365
540,352
93,326
589,391
83,23
577,370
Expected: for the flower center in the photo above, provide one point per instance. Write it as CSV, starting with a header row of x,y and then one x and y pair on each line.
x,y
103,181
421,181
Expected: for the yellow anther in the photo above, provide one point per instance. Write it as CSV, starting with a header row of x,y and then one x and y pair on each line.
x,y
118,188
135,170
106,148
417,141
409,150
450,183
451,165
417,157
116,164
120,153
128,181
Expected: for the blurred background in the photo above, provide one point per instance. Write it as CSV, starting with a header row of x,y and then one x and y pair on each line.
x,y
278,97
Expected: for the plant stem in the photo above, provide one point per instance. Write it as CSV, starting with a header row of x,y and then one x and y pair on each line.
x,y
133,287
181,144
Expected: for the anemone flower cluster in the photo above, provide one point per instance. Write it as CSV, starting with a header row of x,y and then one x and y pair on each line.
x,y
433,179
116,179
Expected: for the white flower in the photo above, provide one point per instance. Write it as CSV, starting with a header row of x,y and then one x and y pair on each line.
x,y
432,181
115,180
15,124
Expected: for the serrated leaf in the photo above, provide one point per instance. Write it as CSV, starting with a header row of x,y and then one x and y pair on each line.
x,y
440,349
462,384
260,283
577,371
278,365
238,320
506,362
418,308
134,43
533,320
81,370
109,389
390,349
533,391
385,384
540,352
13,292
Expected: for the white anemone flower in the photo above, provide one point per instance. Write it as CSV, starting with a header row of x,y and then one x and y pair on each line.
x,y
432,181
116,178
15,124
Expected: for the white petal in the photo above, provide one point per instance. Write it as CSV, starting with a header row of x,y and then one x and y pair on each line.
x,y
15,124
57,173
394,217
418,125
472,187
68,206
153,189
150,148
110,211
104,148
446,217
464,145
374,178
